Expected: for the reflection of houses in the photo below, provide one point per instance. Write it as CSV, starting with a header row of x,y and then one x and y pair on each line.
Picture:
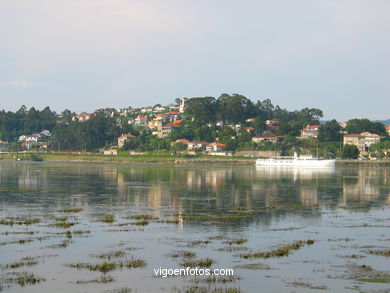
x,y
363,187
272,138
363,140
310,131
308,197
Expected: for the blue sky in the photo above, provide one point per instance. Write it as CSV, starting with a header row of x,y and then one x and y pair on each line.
x,y
88,54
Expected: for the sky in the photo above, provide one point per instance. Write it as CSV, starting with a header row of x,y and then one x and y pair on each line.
x,y
88,54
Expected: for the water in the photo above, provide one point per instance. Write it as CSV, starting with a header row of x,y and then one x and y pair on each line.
x,y
344,210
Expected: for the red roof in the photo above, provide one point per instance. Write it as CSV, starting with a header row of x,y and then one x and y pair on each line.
x,y
142,118
216,144
182,140
160,114
249,128
387,126
176,122
353,135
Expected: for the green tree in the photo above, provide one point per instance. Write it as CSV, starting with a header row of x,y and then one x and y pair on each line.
x,y
202,110
330,131
350,152
363,125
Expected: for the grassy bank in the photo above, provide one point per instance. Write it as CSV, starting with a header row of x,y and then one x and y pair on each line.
x,y
165,157
124,158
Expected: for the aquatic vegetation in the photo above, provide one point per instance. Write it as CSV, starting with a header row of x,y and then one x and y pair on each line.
x,y
141,223
62,244
107,219
141,217
24,279
235,241
201,263
303,284
108,266
19,221
24,262
135,263
232,248
279,252
71,210
184,254
102,280
254,266
198,242
217,237
80,232
63,225
385,252
214,279
110,255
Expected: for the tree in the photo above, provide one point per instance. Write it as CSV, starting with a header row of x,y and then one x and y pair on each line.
x,y
363,125
330,131
350,151
259,125
235,108
202,110
179,146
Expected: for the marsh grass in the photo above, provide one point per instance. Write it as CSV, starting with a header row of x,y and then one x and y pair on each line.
x,y
24,279
109,219
201,263
11,221
102,280
71,210
385,252
254,266
141,223
107,266
183,254
24,262
235,241
279,252
111,255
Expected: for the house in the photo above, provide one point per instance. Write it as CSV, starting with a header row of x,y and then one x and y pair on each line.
x,y
271,125
198,145
214,147
387,127
181,140
310,131
108,152
266,137
30,137
45,133
363,140
42,145
123,138
141,120
166,130
82,117
146,109
249,128
158,109
28,144
182,104
250,120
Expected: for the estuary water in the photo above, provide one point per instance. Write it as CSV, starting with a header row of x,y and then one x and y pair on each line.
x,y
90,227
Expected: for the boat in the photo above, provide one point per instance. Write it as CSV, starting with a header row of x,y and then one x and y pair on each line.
x,y
297,161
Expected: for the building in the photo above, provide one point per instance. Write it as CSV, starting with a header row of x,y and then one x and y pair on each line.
x,y
108,152
141,120
387,129
271,125
266,137
310,131
214,147
182,104
363,140
198,145
82,117
166,130
123,138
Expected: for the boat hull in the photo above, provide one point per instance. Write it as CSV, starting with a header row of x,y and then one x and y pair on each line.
x,y
296,163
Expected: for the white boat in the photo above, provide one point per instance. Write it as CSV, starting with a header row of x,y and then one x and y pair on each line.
x,y
297,161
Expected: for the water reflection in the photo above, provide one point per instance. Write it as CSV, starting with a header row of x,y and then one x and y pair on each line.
x,y
191,188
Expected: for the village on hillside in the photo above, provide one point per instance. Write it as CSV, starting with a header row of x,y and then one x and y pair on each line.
x,y
184,128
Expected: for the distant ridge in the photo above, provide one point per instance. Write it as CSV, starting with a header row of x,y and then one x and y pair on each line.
x,y
385,122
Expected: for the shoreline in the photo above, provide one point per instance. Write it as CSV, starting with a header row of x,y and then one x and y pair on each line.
x,y
80,158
